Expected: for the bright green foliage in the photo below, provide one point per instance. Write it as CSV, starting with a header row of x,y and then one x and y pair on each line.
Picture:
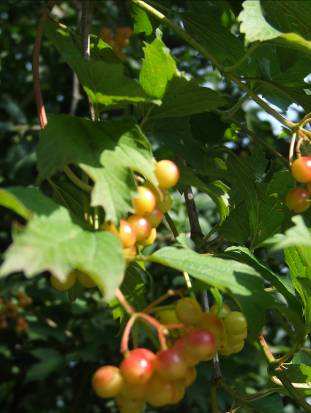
x,y
142,22
157,69
107,152
52,242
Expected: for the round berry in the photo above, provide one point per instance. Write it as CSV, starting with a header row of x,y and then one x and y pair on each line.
x,y
201,343
107,381
127,234
129,253
301,169
156,217
298,200
133,391
235,323
144,201
85,280
190,358
179,390
210,322
225,310
167,174
127,405
66,284
141,227
160,392
236,338
189,311
170,364
167,315
150,240
138,365
190,376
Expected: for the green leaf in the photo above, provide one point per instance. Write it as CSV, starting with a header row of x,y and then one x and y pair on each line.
x,y
103,80
204,21
186,97
50,361
300,376
53,242
300,272
142,23
105,151
26,201
157,69
287,32
227,275
270,404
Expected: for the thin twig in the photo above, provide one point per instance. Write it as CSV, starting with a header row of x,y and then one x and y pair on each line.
x,y
36,66
77,181
86,18
123,301
164,297
171,224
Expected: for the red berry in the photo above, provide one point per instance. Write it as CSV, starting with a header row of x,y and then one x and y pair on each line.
x,y
170,364
297,200
190,358
210,322
301,169
141,227
127,234
138,365
201,343
144,201
107,381
167,174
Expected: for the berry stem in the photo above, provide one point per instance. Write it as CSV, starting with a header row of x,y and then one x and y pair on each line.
x,y
161,330
168,294
36,66
123,301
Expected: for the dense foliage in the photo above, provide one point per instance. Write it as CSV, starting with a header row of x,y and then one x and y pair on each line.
x,y
157,191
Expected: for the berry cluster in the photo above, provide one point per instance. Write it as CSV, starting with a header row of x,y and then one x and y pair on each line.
x,y
12,310
149,204
298,199
161,379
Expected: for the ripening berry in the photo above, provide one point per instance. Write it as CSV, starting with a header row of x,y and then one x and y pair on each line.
x,y
201,343
144,201
234,339
126,233
141,227
210,322
190,376
150,240
167,174
160,392
138,365
235,323
133,391
167,315
190,358
65,285
298,200
179,390
127,405
301,169
85,280
107,381
189,311
156,217
129,253
170,364
224,311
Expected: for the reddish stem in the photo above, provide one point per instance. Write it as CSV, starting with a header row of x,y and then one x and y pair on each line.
x,y
123,301
266,349
36,66
168,294
161,330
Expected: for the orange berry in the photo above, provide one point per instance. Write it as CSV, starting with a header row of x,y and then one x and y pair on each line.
x,y
156,217
150,240
107,381
144,201
167,174
298,200
301,169
141,227
126,232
